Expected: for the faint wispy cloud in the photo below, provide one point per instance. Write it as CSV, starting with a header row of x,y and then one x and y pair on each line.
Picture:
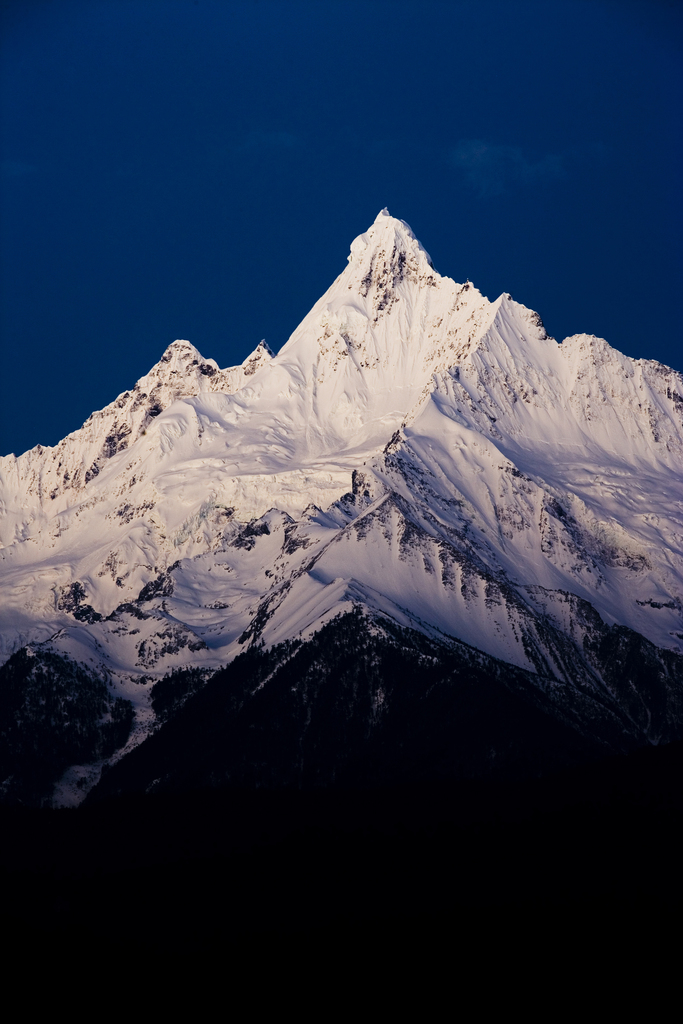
x,y
493,169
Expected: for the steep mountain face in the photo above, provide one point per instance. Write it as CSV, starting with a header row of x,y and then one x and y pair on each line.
x,y
415,456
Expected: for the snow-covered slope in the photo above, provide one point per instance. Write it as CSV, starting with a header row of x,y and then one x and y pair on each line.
x,y
414,449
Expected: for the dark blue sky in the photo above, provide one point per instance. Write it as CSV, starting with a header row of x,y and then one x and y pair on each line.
x,y
197,169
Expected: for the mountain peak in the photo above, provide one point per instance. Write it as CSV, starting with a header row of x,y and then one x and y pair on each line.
x,y
261,355
179,347
387,231
384,217
265,346
180,357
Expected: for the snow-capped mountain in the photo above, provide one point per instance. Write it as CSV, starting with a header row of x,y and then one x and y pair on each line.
x,y
415,455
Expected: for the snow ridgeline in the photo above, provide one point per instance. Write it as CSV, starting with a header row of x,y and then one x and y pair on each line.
x,y
413,449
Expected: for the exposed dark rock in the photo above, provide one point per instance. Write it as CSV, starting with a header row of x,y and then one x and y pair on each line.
x,y
70,599
360,484
86,613
116,440
162,586
71,596
170,640
293,542
247,536
131,609
127,512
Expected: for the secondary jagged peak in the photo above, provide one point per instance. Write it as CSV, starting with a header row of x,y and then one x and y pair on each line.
x,y
264,347
178,349
66,470
180,359
261,355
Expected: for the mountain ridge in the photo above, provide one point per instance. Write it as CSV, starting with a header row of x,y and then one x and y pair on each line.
x,y
414,451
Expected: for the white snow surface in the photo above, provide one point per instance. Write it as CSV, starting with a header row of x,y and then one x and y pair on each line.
x,y
498,473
